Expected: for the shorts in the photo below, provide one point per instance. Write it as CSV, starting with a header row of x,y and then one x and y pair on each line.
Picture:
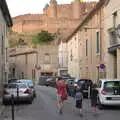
x,y
79,104
58,98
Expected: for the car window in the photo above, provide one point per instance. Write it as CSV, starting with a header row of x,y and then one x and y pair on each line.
x,y
110,86
29,81
12,86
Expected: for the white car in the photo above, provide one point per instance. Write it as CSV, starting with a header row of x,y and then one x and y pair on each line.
x,y
24,93
108,92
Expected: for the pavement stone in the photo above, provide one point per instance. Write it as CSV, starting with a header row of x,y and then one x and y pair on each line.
x,y
2,107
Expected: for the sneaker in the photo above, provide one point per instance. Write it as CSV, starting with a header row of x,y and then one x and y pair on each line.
x,y
60,111
81,115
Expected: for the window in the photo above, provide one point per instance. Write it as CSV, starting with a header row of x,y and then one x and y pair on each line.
x,y
47,58
2,45
71,55
97,42
86,47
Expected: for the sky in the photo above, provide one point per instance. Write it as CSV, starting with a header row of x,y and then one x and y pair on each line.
x,y
19,7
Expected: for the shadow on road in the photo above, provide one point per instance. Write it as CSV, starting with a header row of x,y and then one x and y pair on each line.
x,y
111,108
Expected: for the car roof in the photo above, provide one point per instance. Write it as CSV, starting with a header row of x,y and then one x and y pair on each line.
x,y
110,79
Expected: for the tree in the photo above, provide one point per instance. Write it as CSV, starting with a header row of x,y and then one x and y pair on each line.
x,y
43,37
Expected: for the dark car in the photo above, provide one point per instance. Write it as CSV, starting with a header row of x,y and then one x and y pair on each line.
x,y
86,86
51,81
42,80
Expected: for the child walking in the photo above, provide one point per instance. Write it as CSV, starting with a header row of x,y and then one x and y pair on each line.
x,y
79,98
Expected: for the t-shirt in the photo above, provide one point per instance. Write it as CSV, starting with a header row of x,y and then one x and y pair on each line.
x,y
61,87
78,96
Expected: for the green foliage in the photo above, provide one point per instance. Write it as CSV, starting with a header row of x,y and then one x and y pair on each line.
x,y
21,42
12,43
43,37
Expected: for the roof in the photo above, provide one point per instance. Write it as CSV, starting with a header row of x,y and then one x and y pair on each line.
x,y
90,14
22,53
5,11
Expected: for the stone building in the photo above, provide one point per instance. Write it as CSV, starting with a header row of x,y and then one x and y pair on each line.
x,y
86,47
55,16
32,63
5,23
112,37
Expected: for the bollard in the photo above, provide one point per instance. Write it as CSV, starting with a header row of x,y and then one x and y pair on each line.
x,y
12,106
17,93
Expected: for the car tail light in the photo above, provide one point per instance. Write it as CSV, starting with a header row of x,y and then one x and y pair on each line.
x,y
104,92
31,86
27,91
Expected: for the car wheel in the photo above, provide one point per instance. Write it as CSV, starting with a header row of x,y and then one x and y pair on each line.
x,y
100,106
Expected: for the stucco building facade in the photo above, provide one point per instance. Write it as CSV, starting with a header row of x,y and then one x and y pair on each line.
x,y
85,46
112,37
5,23
31,63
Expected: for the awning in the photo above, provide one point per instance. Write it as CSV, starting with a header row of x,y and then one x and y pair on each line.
x,y
113,48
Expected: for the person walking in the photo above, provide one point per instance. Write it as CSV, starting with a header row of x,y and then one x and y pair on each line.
x,y
79,99
61,90
94,94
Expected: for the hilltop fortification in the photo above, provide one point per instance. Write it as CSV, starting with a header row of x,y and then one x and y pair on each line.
x,y
55,16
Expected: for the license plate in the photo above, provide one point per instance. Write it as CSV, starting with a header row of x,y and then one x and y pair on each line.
x,y
115,98
85,90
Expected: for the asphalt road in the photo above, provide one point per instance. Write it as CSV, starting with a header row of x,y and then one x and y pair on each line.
x,y
44,108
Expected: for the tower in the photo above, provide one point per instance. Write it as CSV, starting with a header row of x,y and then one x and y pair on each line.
x,y
76,8
53,9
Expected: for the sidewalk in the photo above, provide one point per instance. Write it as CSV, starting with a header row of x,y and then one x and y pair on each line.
x,y
2,107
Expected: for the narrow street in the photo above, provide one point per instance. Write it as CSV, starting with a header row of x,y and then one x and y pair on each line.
x,y
44,107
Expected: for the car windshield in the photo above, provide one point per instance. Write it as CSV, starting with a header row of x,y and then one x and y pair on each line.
x,y
110,86
29,81
22,85
12,86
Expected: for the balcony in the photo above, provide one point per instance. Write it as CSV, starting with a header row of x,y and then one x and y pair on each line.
x,y
114,39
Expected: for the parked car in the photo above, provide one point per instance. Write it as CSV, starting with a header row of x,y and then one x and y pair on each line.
x,y
11,89
86,86
108,92
30,84
51,82
42,80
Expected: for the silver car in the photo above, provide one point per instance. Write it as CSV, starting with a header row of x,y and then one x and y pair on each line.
x,y
21,92
30,84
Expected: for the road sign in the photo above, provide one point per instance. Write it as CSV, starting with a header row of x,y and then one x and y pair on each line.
x,y
102,66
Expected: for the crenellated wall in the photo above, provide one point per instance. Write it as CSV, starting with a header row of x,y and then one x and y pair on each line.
x,y
54,16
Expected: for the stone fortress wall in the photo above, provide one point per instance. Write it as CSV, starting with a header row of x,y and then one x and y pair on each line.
x,y
54,17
